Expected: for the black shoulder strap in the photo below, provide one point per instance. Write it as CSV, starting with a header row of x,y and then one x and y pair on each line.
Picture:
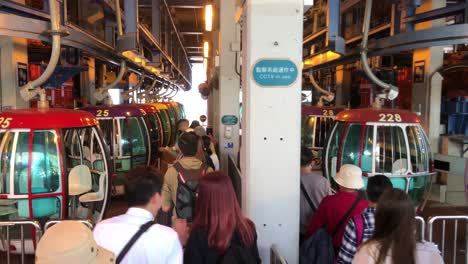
x,y
132,241
309,201
178,167
346,216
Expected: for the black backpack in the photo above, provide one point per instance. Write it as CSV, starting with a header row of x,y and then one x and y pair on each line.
x,y
237,254
187,190
319,247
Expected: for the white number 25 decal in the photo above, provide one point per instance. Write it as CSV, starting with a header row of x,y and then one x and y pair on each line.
x,y
389,118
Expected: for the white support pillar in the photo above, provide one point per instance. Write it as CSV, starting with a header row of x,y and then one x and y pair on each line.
x,y
14,51
229,83
428,101
272,35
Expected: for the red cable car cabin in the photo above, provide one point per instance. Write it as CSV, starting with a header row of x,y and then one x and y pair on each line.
x,y
125,132
382,141
154,125
317,123
47,171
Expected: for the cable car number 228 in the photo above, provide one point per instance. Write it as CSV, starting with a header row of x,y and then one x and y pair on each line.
x,y
5,122
389,118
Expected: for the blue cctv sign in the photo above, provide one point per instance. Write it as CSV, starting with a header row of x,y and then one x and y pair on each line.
x,y
275,73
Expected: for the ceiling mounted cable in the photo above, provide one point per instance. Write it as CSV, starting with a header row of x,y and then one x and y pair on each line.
x,y
145,93
32,88
126,94
327,96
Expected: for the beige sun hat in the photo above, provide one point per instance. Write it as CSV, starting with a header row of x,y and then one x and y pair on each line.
x,y
350,177
71,242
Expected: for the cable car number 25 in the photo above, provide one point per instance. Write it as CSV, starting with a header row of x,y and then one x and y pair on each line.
x,y
102,113
5,122
389,118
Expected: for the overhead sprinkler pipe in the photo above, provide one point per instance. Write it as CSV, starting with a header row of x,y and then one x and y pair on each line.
x,y
327,96
32,88
102,93
390,91
126,94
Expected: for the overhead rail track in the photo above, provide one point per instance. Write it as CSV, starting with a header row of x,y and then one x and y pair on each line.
x,y
398,42
24,22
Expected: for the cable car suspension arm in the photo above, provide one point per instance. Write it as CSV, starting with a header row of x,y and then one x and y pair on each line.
x,y
390,91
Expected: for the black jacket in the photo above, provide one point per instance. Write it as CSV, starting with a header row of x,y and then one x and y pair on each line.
x,y
197,250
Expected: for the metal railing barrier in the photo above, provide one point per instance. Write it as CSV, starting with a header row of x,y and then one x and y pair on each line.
x,y
455,219
275,256
422,224
6,241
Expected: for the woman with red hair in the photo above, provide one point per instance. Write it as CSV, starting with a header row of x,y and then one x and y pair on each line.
x,y
220,231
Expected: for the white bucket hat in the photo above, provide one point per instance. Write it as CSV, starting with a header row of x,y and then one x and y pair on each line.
x,y
71,242
350,177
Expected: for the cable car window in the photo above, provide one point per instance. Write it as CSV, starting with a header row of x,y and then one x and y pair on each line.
x,y
124,138
138,141
391,153
366,162
333,148
418,149
73,152
308,124
21,163
106,127
154,127
351,146
45,167
323,127
166,126
86,139
5,162
97,157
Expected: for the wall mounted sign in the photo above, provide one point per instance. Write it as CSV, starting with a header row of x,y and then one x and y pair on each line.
x,y
229,120
275,73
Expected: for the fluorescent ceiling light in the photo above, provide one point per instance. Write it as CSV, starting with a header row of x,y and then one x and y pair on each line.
x,y
209,17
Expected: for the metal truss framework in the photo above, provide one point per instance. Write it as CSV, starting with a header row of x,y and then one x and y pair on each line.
x,y
24,22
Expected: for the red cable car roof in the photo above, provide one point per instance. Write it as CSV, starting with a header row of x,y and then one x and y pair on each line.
x,y
148,108
321,110
365,115
103,111
46,118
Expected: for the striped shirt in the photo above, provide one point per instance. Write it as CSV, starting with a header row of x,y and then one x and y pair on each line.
x,y
349,242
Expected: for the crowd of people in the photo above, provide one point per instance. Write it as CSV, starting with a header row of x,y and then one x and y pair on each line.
x,y
345,228
208,226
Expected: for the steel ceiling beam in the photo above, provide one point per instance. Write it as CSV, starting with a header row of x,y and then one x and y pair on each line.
x,y
440,36
436,13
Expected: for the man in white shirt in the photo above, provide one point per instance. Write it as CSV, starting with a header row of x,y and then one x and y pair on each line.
x,y
159,244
